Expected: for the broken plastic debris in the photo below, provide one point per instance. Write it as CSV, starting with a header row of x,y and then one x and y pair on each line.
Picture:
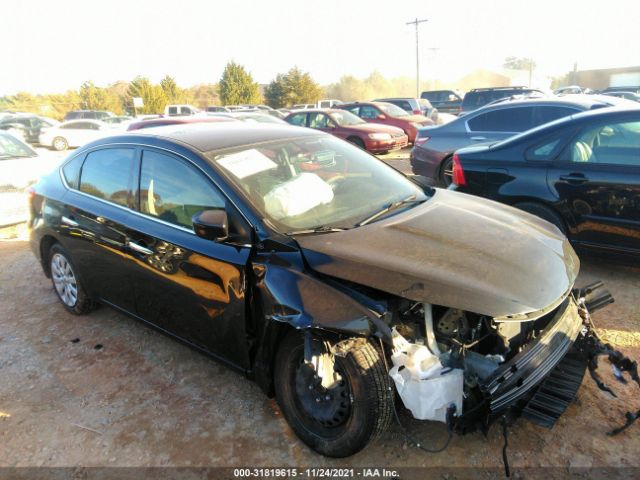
x,y
425,386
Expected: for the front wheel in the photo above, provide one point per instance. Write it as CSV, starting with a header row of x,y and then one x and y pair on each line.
x,y
340,420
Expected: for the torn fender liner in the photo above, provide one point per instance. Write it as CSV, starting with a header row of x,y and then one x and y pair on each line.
x,y
492,260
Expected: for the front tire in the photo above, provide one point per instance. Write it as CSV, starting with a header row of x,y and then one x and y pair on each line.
x,y
59,144
342,420
66,283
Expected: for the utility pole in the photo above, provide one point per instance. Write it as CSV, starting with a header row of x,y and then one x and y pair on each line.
x,y
417,22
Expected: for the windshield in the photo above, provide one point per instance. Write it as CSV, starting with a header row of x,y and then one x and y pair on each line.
x,y
12,147
345,118
311,182
392,110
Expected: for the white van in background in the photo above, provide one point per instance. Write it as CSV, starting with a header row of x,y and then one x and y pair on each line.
x,y
180,110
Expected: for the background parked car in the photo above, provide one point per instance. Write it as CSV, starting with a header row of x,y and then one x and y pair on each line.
x,y
622,94
581,173
479,97
250,116
446,101
74,133
303,106
432,153
87,114
118,121
20,166
217,108
628,88
372,137
160,122
388,114
179,110
571,90
26,127
416,106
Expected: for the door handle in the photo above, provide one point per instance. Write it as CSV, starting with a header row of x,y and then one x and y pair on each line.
x,y
478,139
139,248
574,178
69,221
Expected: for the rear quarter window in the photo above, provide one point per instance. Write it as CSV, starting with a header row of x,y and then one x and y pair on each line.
x,y
71,171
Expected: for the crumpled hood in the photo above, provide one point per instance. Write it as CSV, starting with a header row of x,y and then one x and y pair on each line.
x,y
454,250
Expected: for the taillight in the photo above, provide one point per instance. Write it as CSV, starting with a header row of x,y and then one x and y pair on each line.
x,y
417,112
458,172
31,192
419,141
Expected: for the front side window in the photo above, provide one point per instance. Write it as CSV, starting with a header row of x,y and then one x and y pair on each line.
x,y
315,181
318,120
174,191
546,113
106,174
367,112
613,144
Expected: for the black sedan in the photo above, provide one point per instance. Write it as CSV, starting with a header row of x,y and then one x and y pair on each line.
x,y
581,173
319,271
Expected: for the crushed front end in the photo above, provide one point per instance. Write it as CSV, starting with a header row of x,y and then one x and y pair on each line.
x,y
485,369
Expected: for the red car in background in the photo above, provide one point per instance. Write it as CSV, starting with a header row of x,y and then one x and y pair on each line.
x,y
388,114
161,122
369,136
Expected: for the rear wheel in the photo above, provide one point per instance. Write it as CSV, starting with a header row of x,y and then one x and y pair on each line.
x,y
66,282
60,144
545,213
446,171
343,419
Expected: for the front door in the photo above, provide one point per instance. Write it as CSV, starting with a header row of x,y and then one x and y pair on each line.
x,y
189,286
598,178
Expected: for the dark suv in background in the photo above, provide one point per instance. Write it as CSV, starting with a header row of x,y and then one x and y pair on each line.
x,y
434,146
479,97
446,101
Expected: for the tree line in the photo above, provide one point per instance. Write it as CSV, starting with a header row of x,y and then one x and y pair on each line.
x,y
235,87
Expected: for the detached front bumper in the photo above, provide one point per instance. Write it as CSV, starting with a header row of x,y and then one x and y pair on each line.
x,y
519,376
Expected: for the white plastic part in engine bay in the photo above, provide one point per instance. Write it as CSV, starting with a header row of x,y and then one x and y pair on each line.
x,y
426,387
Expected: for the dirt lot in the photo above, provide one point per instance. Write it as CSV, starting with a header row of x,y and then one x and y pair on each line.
x,y
105,390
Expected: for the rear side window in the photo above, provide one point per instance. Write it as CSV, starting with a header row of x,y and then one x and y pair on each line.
x,y
503,120
106,174
299,119
174,191
71,172
544,150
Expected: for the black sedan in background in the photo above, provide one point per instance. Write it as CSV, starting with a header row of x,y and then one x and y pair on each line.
x,y
581,173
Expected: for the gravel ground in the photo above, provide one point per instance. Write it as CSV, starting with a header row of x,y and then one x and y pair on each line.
x,y
105,390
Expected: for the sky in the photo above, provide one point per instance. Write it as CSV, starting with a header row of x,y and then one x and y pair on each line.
x,y
52,46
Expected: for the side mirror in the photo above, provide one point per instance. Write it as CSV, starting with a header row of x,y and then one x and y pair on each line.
x,y
381,117
211,224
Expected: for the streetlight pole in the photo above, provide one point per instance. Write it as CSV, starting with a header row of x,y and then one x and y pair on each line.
x,y
417,22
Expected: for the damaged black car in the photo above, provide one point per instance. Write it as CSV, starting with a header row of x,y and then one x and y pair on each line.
x,y
338,284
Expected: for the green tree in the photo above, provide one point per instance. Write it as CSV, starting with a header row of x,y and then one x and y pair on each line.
x,y
237,86
97,98
171,89
153,96
292,87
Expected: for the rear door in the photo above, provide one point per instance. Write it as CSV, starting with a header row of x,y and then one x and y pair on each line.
x,y
189,286
94,221
597,177
499,124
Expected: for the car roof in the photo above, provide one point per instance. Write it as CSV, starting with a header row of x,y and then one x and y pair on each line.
x,y
585,101
206,137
